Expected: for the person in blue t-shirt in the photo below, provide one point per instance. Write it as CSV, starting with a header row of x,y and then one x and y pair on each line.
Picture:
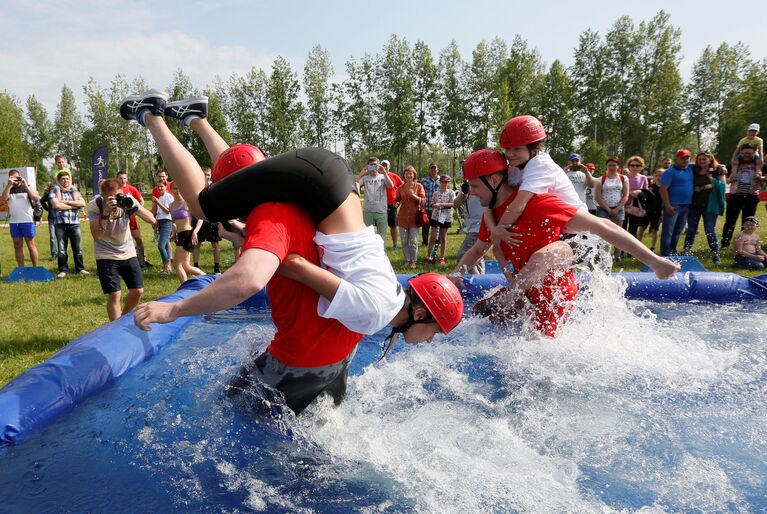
x,y
676,188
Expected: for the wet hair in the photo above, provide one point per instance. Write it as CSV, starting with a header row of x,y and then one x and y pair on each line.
x,y
615,159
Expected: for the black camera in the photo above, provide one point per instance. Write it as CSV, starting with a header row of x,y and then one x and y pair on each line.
x,y
124,201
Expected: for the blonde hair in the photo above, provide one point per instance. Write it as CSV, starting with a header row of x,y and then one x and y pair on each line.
x,y
410,169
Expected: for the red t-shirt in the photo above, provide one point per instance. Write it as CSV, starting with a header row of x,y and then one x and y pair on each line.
x,y
303,338
391,194
168,187
540,224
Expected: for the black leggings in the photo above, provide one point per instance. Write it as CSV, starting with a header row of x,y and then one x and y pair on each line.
x,y
737,204
314,178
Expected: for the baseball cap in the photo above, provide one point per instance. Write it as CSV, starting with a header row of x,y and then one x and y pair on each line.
x,y
385,162
753,219
444,178
754,126
433,165
591,166
683,152
573,156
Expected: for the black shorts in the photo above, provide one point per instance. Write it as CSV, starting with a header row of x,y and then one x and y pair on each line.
x,y
435,223
208,232
298,386
184,240
111,271
316,179
391,216
652,220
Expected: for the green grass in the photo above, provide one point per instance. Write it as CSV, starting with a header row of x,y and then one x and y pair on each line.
x,y
40,318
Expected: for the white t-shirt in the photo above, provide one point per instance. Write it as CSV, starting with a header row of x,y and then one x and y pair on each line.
x,y
578,179
369,295
542,175
442,214
19,206
612,190
166,199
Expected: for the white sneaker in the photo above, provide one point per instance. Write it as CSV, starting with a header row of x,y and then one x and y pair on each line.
x,y
84,272
61,274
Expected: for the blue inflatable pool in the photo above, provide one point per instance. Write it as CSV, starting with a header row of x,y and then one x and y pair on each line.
x,y
639,404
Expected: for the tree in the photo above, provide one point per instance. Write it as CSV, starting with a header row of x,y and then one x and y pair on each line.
x,y
283,109
362,107
453,116
520,76
38,137
317,73
593,90
245,106
482,84
557,110
13,151
394,82
68,129
426,96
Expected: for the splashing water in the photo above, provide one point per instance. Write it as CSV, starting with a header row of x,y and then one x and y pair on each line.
x,y
635,406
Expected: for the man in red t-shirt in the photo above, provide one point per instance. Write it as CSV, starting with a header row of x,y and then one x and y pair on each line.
x,y
135,232
309,354
162,176
391,204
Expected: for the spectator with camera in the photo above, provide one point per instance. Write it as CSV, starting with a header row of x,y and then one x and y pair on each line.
x,y
135,231
109,216
374,179
20,198
67,201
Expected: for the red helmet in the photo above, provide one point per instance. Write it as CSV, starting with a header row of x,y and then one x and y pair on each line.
x,y
235,158
521,131
484,162
440,297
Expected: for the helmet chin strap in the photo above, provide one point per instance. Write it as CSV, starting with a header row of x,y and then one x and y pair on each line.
x,y
388,343
492,189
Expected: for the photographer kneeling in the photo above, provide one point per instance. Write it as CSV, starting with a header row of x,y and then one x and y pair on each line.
x,y
109,216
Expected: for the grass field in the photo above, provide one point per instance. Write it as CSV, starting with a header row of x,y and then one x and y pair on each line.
x,y
40,318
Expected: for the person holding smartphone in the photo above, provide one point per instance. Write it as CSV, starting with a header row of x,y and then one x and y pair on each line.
x,y
20,198
374,181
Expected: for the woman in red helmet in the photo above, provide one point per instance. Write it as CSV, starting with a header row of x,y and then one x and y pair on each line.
x,y
542,271
310,353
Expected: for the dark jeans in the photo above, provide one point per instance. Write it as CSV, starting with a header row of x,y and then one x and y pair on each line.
x,y
425,230
673,225
66,232
709,225
749,263
52,234
736,204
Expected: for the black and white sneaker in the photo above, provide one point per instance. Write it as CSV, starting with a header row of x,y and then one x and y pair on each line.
x,y
188,109
133,107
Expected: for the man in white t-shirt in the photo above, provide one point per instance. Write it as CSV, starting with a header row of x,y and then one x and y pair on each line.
x,y
20,198
579,175
374,181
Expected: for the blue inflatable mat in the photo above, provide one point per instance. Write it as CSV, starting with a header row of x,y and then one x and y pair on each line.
x,y
688,263
83,367
30,274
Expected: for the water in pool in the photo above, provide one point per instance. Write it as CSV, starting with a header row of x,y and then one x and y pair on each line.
x,y
636,406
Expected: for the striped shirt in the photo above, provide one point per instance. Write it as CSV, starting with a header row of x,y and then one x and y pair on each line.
x,y
430,186
68,217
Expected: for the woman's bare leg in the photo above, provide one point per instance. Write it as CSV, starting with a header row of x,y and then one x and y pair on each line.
x,y
213,142
182,166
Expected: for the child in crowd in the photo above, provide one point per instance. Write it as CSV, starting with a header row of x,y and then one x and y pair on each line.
x,y
752,138
747,246
441,219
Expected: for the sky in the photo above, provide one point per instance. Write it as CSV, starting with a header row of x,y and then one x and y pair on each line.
x,y
48,43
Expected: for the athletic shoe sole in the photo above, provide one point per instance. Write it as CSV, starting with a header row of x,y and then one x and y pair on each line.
x,y
132,107
188,109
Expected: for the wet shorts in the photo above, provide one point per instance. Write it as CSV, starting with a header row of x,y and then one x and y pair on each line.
x,y
27,230
316,179
111,271
298,386
184,240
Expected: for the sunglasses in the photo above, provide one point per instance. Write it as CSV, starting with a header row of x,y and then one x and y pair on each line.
x,y
635,165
